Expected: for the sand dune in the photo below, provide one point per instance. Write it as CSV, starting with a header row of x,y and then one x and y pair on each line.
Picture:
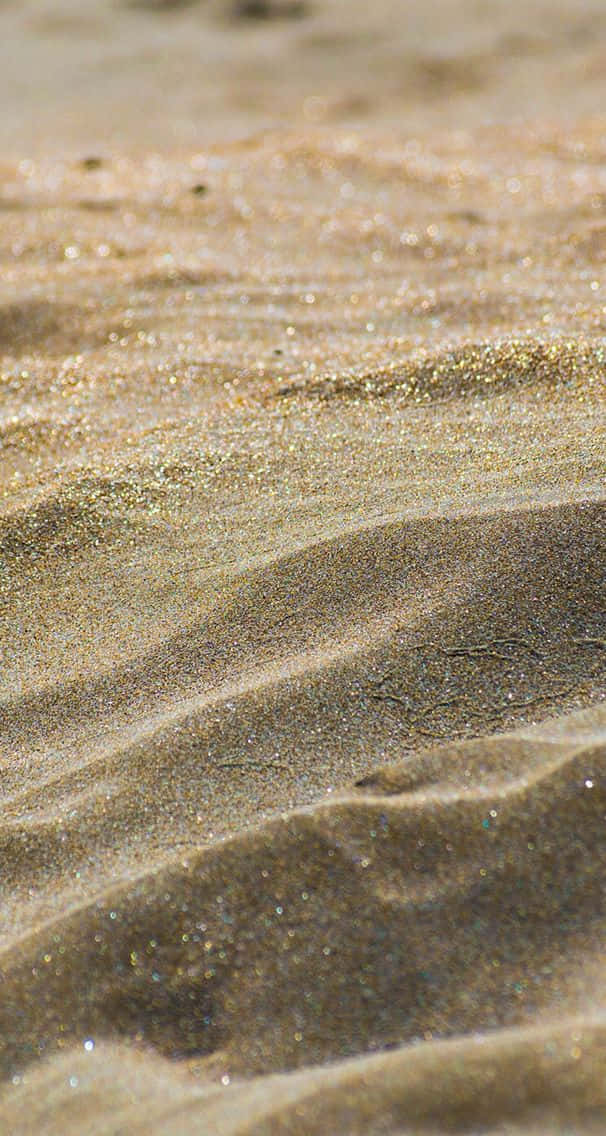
x,y
525,1081
414,915
303,568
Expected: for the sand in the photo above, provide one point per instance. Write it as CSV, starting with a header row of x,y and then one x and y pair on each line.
x,y
303,568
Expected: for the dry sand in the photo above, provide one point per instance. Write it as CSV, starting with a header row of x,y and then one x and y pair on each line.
x,y
303,546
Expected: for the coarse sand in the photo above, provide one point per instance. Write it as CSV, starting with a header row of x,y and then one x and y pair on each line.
x,y
302,568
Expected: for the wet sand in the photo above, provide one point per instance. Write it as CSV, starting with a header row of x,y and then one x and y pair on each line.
x,y
303,550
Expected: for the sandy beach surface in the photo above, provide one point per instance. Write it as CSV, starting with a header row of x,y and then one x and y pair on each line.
x,y
303,567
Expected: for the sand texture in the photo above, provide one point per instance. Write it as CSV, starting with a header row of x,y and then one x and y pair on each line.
x,y
302,568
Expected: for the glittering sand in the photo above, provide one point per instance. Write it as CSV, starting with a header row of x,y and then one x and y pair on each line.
x,y
303,545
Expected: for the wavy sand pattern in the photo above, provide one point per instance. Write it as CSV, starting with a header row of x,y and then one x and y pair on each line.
x,y
303,568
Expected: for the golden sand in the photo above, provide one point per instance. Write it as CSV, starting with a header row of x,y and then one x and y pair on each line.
x,y
303,568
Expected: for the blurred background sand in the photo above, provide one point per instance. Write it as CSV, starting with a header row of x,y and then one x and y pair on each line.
x,y
155,75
